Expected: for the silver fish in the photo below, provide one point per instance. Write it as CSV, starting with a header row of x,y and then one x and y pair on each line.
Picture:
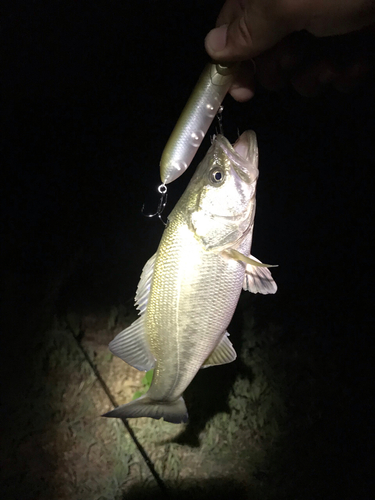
x,y
189,289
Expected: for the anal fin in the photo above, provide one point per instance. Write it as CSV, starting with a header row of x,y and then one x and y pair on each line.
x,y
222,354
131,346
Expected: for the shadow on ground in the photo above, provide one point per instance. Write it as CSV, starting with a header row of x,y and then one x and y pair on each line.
x,y
215,488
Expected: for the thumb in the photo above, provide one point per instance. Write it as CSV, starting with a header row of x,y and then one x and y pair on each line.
x,y
245,37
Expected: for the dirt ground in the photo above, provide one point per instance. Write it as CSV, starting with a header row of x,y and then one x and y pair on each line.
x,y
262,427
68,447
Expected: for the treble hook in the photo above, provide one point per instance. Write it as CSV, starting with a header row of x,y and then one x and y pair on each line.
x,y
162,203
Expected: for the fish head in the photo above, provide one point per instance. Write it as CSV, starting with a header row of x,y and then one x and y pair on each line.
x,y
222,192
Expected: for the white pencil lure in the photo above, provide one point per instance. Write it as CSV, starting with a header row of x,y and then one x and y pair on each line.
x,y
195,119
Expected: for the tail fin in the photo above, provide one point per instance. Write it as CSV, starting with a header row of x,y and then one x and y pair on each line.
x,y
172,411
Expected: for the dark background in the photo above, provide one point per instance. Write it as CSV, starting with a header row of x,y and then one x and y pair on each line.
x,y
90,94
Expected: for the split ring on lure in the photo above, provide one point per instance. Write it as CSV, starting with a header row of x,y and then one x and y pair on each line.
x,y
161,205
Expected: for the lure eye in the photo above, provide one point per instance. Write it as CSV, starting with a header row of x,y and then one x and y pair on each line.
x,y
216,176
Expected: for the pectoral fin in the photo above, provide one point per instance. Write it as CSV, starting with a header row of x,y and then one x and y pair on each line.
x,y
131,346
259,279
222,354
236,255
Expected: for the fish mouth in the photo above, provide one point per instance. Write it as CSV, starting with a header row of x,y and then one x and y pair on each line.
x,y
246,146
243,154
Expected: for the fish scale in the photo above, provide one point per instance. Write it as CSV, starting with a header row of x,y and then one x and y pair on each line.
x,y
189,290
198,298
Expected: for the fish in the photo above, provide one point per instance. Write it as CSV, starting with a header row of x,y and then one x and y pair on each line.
x,y
190,287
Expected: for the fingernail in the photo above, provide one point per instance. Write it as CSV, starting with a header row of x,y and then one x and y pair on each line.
x,y
216,39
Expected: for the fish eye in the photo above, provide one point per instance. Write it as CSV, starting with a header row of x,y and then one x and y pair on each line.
x,y
216,176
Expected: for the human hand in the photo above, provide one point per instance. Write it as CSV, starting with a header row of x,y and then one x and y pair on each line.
x,y
269,31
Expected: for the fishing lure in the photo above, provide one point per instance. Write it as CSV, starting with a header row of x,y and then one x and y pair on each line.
x,y
195,119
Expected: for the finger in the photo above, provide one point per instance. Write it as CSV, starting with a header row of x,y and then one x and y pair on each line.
x,y
243,87
230,10
276,66
216,39
248,30
310,81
